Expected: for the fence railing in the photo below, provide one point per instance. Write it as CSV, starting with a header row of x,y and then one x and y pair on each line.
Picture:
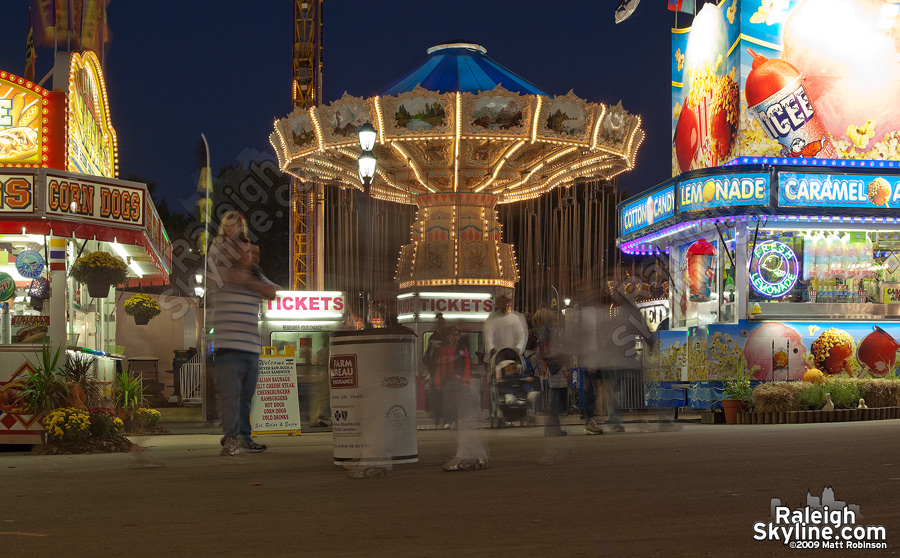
x,y
190,374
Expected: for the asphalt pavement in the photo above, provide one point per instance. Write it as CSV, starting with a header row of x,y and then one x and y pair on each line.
x,y
697,491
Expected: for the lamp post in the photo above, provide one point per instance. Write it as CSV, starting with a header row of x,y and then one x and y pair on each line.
x,y
367,136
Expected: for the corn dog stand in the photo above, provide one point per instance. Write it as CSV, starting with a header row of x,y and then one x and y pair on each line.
x,y
59,199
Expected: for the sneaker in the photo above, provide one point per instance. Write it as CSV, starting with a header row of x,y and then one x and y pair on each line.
x,y
459,464
592,428
616,428
253,447
230,447
367,472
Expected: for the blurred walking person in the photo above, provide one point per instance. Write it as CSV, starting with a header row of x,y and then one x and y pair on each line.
x,y
607,331
454,375
235,298
504,328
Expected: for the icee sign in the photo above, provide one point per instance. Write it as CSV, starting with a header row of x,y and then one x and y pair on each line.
x,y
837,190
732,190
649,209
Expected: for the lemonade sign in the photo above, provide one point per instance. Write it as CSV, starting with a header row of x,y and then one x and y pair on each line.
x,y
731,190
774,269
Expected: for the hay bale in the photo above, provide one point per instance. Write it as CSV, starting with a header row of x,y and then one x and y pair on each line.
x,y
778,396
880,392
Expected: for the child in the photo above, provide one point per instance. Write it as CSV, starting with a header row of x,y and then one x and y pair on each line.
x,y
514,384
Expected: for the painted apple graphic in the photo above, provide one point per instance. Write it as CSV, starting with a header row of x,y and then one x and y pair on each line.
x,y
760,349
832,351
723,132
687,138
878,352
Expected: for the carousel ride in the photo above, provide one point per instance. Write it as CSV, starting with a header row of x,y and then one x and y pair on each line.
x,y
457,136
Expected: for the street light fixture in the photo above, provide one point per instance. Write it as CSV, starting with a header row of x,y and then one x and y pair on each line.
x,y
366,169
198,288
367,136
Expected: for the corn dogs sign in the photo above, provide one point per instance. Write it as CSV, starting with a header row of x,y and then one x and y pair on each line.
x,y
94,200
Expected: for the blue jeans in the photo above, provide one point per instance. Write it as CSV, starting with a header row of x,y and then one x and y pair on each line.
x,y
236,373
594,381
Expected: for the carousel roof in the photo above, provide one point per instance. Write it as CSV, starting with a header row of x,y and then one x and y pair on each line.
x,y
460,66
459,124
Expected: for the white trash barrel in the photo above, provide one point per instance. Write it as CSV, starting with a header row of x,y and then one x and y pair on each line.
x,y
373,396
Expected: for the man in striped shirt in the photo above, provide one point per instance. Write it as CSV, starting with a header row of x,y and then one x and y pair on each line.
x,y
235,305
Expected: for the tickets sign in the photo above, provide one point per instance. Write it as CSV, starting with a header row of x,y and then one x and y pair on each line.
x,y
94,200
837,190
646,210
731,190
306,305
447,303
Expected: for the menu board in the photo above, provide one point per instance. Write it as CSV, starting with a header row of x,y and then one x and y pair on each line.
x,y
29,329
276,405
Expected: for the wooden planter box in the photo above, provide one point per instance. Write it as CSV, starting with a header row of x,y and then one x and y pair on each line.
x,y
810,417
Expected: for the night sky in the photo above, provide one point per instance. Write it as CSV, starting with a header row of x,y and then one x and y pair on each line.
x,y
176,69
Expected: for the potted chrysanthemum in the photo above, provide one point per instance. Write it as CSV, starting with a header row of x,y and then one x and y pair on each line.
x,y
143,307
99,271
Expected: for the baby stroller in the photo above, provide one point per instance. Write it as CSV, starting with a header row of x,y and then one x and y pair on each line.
x,y
512,399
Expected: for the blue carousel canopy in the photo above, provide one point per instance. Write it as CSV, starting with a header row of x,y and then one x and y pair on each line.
x,y
460,66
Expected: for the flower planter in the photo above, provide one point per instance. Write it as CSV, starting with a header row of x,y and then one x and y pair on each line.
x,y
732,407
141,320
98,289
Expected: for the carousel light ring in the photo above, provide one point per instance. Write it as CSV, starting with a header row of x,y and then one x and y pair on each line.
x,y
490,131
775,269
456,137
